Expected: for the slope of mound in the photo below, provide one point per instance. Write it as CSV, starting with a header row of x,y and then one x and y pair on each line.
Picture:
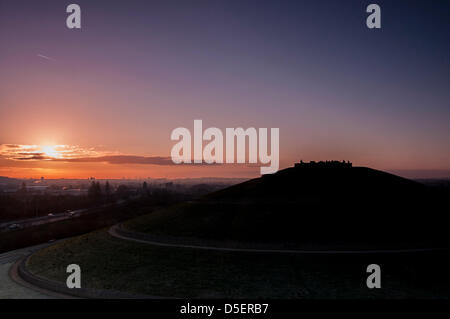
x,y
292,184
299,206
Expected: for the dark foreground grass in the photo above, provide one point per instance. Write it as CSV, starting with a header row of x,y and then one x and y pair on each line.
x,y
110,263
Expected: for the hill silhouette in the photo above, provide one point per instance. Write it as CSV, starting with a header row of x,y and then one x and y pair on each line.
x,y
306,182
309,204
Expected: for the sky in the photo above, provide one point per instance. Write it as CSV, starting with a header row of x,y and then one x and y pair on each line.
x,y
102,101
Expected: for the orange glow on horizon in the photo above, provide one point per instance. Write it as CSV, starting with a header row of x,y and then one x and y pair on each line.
x,y
75,162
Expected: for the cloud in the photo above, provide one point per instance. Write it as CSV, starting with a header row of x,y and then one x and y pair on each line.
x,y
34,157
119,159
30,154
24,152
45,57
77,154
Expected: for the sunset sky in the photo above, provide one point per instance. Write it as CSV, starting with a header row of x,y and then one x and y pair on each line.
x,y
102,101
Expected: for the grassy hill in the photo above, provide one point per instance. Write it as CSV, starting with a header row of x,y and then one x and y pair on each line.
x,y
308,205
311,208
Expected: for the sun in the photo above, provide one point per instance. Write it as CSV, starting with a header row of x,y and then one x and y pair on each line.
x,y
50,150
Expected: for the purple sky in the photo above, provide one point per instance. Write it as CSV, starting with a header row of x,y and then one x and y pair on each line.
x,y
139,69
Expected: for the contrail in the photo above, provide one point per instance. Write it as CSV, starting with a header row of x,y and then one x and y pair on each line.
x,y
44,57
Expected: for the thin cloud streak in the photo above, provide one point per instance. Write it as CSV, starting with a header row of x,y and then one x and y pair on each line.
x,y
45,57
119,159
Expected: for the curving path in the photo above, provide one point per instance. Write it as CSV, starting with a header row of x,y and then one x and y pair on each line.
x,y
11,286
116,231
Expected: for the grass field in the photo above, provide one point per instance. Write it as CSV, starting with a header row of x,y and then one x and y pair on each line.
x,y
110,263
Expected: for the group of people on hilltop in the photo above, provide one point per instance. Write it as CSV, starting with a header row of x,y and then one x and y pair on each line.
x,y
324,164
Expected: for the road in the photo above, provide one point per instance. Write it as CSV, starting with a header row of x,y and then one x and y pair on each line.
x,y
30,222
25,223
9,288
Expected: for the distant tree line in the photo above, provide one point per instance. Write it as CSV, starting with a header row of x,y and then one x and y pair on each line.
x,y
27,204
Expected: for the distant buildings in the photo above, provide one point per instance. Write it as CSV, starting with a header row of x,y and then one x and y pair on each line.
x,y
34,188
